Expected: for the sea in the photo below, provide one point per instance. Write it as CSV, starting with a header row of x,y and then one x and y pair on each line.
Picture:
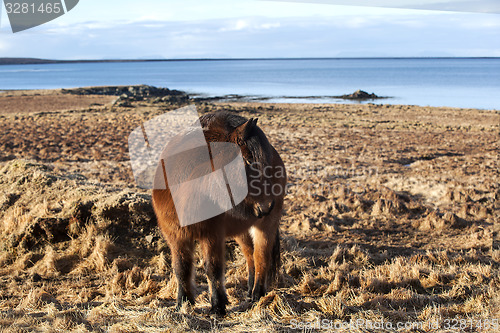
x,y
452,82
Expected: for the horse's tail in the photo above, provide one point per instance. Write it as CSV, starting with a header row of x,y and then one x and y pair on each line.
x,y
275,260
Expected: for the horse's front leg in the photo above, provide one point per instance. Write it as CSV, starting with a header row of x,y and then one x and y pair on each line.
x,y
182,262
213,251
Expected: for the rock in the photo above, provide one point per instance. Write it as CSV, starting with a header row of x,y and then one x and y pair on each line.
x,y
123,104
132,93
149,238
360,95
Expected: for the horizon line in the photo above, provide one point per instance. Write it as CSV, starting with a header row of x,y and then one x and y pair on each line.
x,y
41,61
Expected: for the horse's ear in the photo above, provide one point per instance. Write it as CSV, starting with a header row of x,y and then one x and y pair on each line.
x,y
244,131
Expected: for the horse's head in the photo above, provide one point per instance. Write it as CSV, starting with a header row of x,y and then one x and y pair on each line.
x,y
257,155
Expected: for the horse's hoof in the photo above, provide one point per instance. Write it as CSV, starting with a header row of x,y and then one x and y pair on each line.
x,y
218,311
256,297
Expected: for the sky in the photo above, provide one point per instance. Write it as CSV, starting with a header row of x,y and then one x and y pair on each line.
x,y
126,29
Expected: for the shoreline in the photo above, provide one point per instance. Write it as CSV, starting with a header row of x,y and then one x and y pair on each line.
x,y
18,94
293,82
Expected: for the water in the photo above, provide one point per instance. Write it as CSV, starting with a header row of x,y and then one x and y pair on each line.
x,y
473,83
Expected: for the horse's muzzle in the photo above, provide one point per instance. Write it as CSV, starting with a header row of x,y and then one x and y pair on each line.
x,y
259,212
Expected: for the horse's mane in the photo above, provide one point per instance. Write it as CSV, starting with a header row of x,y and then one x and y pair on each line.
x,y
222,118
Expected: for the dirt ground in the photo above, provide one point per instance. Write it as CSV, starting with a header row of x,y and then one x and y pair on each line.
x,y
20,101
392,217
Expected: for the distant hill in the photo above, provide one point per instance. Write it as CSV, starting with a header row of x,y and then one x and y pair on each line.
x,y
34,61
25,61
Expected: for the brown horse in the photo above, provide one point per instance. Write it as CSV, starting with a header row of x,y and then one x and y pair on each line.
x,y
253,223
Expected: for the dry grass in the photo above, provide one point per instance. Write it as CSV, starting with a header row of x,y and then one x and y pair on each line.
x,y
388,218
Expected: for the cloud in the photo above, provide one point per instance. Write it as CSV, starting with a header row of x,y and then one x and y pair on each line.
x,y
241,25
3,46
361,36
248,24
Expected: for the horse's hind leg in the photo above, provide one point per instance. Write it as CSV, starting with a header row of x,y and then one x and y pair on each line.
x,y
182,261
246,244
266,252
213,251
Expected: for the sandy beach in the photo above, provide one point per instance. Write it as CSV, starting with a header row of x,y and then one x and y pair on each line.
x,y
392,216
